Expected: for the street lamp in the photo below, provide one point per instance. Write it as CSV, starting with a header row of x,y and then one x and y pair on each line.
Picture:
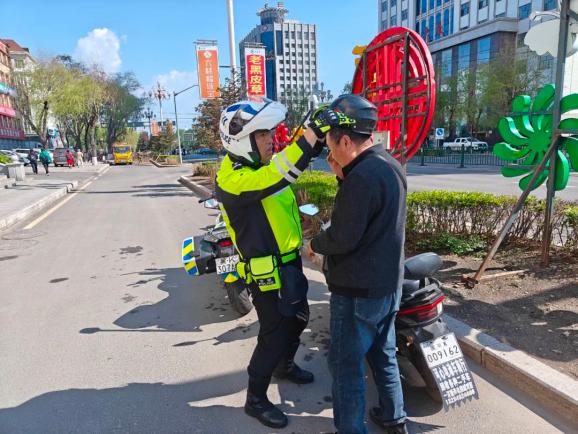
x,y
177,119
149,114
159,93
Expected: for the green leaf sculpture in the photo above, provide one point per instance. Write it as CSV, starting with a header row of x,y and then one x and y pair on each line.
x,y
527,136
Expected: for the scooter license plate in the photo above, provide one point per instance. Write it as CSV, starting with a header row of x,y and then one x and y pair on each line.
x,y
441,350
227,265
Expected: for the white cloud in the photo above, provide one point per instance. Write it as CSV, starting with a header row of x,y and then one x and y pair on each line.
x,y
100,47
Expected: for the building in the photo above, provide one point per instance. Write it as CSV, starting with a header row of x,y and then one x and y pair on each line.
x,y
11,132
465,33
290,52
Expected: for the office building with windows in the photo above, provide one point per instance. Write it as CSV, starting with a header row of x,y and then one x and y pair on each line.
x,y
290,52
461,33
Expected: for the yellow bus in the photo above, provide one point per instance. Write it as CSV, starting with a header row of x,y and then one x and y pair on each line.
x,y
122,153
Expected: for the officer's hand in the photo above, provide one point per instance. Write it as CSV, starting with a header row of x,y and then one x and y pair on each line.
x,y
309,251
326,119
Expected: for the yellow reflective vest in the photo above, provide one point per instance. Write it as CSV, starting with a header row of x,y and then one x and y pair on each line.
x,y
259,208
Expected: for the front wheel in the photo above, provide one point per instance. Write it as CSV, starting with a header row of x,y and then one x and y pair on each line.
x,y
239,298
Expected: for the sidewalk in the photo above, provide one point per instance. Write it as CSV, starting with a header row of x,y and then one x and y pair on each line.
x,y
38,192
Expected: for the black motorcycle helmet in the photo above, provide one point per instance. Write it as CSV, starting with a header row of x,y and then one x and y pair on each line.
x,y
358,108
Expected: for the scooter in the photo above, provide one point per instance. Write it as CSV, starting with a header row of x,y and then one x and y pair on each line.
x,y
214,252
428,353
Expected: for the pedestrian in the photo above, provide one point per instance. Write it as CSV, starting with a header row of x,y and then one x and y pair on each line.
x,y
45,159
261,215
79,158
69,159
363,267
33,158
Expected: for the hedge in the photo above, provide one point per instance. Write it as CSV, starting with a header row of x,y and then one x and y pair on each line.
x,y
460,221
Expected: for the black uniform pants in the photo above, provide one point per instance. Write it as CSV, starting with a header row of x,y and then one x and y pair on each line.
x,y
278,338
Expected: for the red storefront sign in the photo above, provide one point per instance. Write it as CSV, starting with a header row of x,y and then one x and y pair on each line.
x,y
255,72
7,111
208,70
11,133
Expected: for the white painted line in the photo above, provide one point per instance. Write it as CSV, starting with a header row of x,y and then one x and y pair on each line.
x,y
54,208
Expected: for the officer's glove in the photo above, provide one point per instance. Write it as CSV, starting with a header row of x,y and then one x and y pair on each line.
x,y
325,119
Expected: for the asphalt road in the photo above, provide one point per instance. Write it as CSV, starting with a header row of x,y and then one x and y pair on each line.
x,y
103,332
487,179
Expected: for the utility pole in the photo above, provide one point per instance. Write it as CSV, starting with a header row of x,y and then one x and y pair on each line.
x,y
232,49
177,119
159,93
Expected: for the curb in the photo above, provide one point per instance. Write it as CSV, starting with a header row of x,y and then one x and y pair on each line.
x,y
198,189
552,389
35,208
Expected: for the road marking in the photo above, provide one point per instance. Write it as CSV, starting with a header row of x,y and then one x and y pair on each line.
x,y
57,206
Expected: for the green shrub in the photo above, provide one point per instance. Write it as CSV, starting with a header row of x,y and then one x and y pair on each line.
x,y
318,188
4,159
449,243
206,168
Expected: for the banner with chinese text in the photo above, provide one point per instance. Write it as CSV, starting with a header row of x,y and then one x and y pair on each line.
x,y
208,71
255,72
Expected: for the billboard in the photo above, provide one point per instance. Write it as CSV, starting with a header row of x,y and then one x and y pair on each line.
x,y
255,72
208,71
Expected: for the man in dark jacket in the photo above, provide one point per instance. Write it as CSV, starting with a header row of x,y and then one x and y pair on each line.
x,y
364,270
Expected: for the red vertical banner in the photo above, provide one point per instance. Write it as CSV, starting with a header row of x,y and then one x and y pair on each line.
x,y
255,72
208,71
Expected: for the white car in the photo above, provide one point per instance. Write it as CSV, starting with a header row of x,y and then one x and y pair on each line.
x,y
468,143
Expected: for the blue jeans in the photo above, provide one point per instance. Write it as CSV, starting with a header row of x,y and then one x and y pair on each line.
x,y
364,328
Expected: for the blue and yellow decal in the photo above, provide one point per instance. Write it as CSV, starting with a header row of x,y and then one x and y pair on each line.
x,y
189,261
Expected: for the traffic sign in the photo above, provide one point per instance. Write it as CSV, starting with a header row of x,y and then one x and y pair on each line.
x,y
440,132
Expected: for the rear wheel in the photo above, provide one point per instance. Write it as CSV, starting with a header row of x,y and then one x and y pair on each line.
x,y
239,298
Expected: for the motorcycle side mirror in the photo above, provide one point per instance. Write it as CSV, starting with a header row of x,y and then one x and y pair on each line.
x,y
211,203
309,209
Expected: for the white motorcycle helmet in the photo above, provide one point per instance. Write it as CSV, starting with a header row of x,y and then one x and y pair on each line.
x,y
240,120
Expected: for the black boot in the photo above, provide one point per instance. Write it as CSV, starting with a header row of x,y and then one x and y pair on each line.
x,y
287,369
376,416
259,407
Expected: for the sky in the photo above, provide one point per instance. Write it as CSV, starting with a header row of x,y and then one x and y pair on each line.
x,y
154,39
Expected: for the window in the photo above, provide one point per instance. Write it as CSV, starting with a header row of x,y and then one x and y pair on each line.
x,y
392,3
417,27
431,4
417,4
546,62
286,33
482,4
484,50
463,56
312,35
439,31
384,6
293,34
524,11
384,24
446,63
550,4
451,20
404,14
423,6
393,21
520,40
438,3
430,32
464,9
446,22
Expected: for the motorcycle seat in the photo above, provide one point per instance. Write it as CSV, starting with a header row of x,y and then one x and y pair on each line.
x,y
421,266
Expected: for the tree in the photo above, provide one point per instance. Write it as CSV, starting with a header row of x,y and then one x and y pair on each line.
x,y
121,106
36,91
297,103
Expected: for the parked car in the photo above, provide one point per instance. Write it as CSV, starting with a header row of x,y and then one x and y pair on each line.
x,y
23,153
469,144
59,156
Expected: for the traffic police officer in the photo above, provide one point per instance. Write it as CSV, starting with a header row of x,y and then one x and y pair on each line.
x,y
261,214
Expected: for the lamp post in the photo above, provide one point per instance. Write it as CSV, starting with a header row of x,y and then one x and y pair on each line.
x,y
177,119
159,93
149,114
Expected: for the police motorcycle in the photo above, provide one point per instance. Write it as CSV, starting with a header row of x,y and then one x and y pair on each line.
x,y
428,353
213,252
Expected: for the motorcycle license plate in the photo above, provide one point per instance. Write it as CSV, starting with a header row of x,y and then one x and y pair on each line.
x,y
441,350
227,265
